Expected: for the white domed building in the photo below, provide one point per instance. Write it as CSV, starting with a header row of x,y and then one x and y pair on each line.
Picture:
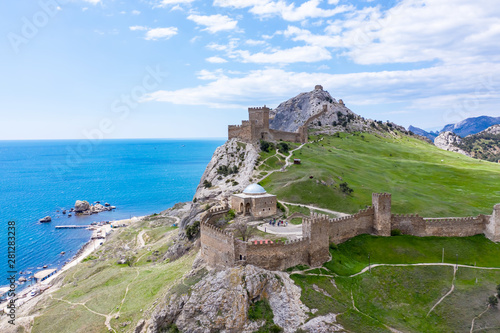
x,y
254,201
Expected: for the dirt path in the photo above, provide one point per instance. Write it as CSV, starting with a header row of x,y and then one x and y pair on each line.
x,y
455,269
140,239
477,317
339,214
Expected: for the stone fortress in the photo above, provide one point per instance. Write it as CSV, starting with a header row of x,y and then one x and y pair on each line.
x,y
221,248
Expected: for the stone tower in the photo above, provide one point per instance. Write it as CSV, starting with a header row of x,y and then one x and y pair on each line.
x,y
315,228
382,214
260,117
493,226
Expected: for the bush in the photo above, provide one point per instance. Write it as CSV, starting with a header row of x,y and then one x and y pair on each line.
x,y
280,206
492,301
207,184
333,246
231,214
344,187
395,232
192,230
266,146
283,147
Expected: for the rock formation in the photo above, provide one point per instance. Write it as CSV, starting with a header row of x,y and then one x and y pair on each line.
x,y
449,141
45,219
81,206
219,302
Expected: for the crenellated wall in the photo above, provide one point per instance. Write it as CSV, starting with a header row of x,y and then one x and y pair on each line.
x,y
318,231
257,128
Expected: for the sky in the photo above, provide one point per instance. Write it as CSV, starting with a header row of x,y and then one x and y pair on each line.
x,y
105,69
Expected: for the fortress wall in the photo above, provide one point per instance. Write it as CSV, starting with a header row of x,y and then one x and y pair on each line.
x,y
214,214
455,227
344,228
409,224
442,227
285,136
278,255
242,132
217,246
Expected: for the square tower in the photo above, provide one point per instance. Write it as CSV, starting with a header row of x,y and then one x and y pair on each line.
x,y
382,214
493,226
259,117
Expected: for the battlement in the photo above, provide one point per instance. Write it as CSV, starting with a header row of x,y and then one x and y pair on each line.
x,y
381,195
277,243
216,229
258,108
404,215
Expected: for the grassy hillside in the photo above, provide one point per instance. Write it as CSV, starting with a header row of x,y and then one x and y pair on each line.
x,y
421,177
484,145
100,290
401,298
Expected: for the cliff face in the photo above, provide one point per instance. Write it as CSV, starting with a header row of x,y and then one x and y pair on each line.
x,y
220,302
229,170
292,114
449,141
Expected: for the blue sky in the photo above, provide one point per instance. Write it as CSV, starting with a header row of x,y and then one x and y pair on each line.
x,y
72,69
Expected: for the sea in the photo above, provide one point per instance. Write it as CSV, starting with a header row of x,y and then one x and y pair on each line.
x,y
42,178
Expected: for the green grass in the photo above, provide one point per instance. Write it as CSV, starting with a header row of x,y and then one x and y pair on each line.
x,y
351,256
401,297
422,178
261,310
296,221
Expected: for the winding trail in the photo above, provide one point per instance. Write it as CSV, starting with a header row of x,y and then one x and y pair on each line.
x,y
477,317
455,269
140,239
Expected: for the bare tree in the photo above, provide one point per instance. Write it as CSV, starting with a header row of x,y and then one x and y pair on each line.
x,y
243,230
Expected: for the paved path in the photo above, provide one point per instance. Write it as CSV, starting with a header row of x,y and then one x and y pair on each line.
x,y
290,230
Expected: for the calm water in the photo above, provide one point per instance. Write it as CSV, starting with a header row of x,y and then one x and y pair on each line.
x,y
37,178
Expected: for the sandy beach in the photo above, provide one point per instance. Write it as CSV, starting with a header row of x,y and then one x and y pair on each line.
x,y
93,244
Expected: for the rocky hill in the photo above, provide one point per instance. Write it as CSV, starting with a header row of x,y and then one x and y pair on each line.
x,y
471,125
450,141
484,145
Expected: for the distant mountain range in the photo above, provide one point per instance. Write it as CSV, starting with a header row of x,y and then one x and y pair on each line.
x,y
466,127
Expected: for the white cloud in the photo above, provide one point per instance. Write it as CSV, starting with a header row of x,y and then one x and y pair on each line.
x,y
174,2
135,12
288,12
216,60
214,23
156,33
160,33
138,28
94,2
287,56
254,42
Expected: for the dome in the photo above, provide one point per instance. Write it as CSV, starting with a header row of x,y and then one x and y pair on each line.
x,y
254,189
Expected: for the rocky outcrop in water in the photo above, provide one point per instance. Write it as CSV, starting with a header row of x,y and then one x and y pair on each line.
x,y
81,206
220,301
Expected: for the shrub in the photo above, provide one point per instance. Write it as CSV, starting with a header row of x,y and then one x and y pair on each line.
x,y
207,184
231,214
395,232
492,301
193,229
344,187
280,206
283,147
266,146
333,246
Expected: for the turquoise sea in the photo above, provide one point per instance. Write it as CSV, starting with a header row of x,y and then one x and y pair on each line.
x,y
39,178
